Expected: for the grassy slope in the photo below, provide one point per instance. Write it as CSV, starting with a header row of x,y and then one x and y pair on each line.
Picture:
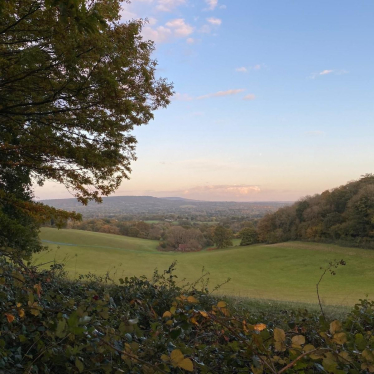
x,y
286,271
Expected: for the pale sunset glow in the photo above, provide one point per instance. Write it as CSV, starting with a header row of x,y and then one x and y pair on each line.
x,y
272,100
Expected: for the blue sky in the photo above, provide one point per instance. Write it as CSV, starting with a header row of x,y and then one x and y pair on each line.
x,y
274,99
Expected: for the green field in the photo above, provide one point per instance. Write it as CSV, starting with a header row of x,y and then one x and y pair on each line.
x,y
285,271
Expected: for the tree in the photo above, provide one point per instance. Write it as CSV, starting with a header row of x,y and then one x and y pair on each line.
x,y
74,82
249,236
71,98
222,237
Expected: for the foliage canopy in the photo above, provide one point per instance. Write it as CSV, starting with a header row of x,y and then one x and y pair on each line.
x,y
74,81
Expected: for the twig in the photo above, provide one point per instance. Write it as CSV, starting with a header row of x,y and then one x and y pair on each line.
x,y
289,366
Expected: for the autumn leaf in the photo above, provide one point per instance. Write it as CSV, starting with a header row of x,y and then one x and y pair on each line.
x,y
298,341
186,364
192,300
176,357
279,335
166,315
21,313
38,289
221,304
9,317
259,326
340,338
335,326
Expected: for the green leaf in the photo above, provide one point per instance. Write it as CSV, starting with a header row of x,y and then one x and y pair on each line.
x,y
79,364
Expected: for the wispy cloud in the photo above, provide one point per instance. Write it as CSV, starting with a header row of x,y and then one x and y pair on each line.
x,y
169,5
180,27
327,72
249,97
221,192
185,97
214,21
212,4
176,28
190,40
182,97
245,69
221,93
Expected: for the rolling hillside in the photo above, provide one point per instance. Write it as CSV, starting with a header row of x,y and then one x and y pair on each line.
x,y
286,271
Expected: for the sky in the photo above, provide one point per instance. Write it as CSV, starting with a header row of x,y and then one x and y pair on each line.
x,y
273,99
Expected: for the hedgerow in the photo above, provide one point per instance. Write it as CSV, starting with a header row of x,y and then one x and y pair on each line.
x,y
50,324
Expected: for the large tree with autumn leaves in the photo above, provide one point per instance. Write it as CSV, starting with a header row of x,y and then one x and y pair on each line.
x,y
74,81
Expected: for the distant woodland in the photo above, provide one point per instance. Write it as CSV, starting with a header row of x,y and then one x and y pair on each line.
x,y
342,215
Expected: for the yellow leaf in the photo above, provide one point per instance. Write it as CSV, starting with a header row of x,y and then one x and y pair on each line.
x,y
340,338
309,347
279,335
368,355
19,305
193,320
170,322
298,341
225,311
176,357
9,317
204,314
280,346
259,327
345,357
186,364
173,310
221,304
192,299
165,358
166,315
335,326
21,313
258,370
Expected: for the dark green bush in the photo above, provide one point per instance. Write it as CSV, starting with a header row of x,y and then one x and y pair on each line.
x,y
50,324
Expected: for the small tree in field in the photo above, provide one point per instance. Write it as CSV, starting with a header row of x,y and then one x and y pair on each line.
x,y
222,237
249,236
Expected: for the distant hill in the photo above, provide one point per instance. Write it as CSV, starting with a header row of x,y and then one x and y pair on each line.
x,y
134,205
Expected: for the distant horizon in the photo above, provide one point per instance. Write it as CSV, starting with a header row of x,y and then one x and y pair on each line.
x,y
181,198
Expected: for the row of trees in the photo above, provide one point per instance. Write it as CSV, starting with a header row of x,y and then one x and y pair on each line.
x,y
344,214
185,236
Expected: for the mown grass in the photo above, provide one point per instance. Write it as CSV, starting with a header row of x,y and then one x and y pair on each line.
x,y
280,272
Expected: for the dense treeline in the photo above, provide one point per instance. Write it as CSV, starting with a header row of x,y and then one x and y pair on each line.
x,y
344,215
183,235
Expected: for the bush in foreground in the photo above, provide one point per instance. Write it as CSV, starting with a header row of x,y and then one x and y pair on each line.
x,y
52,325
